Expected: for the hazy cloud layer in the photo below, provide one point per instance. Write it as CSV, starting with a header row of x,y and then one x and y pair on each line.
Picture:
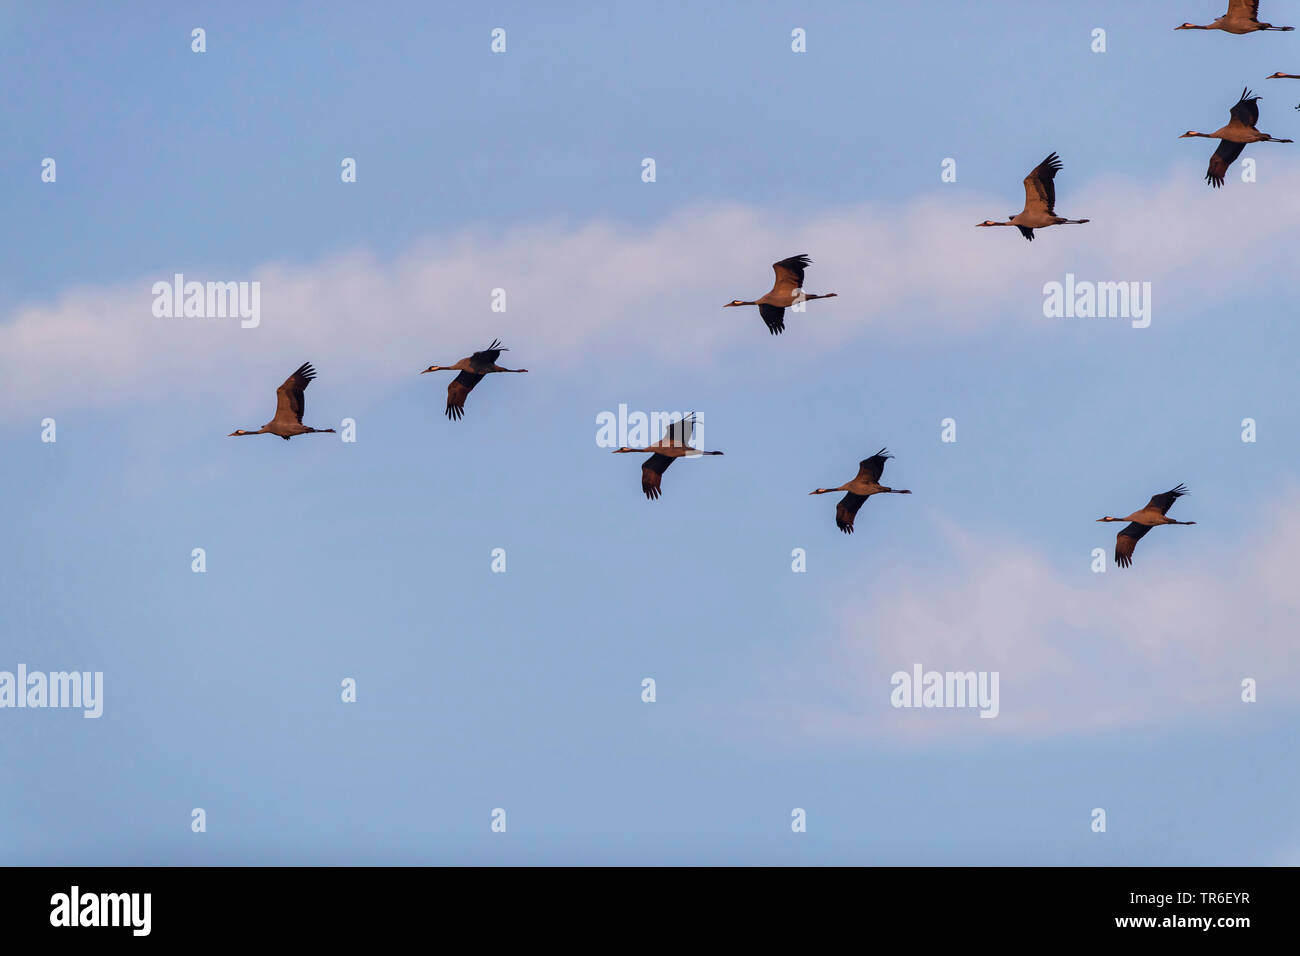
x,y
913,270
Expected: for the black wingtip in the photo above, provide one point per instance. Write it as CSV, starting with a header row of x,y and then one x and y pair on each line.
x,y
801,261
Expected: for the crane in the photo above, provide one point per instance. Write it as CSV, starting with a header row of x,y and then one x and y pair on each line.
x,y
1242,17
787,291
289,408
862,487
1155,513
471,370
674,444
1234,137
1040,202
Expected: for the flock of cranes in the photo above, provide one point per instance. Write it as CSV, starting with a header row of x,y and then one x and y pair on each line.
x,y
676,443
787,291
1242,17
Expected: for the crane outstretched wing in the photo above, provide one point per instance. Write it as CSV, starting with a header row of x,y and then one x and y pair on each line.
x,y
1162,502
1246,110
289,404
458,391
1040,186
844,511
489,355
680,432
1223,158
872,468
789,272
774,316
1126,541
652,470
1243,8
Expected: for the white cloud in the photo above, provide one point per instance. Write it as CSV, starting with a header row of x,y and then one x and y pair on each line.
x,y
1077,652
907,270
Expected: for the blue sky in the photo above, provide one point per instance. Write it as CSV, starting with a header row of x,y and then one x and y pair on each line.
x,y
522,171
